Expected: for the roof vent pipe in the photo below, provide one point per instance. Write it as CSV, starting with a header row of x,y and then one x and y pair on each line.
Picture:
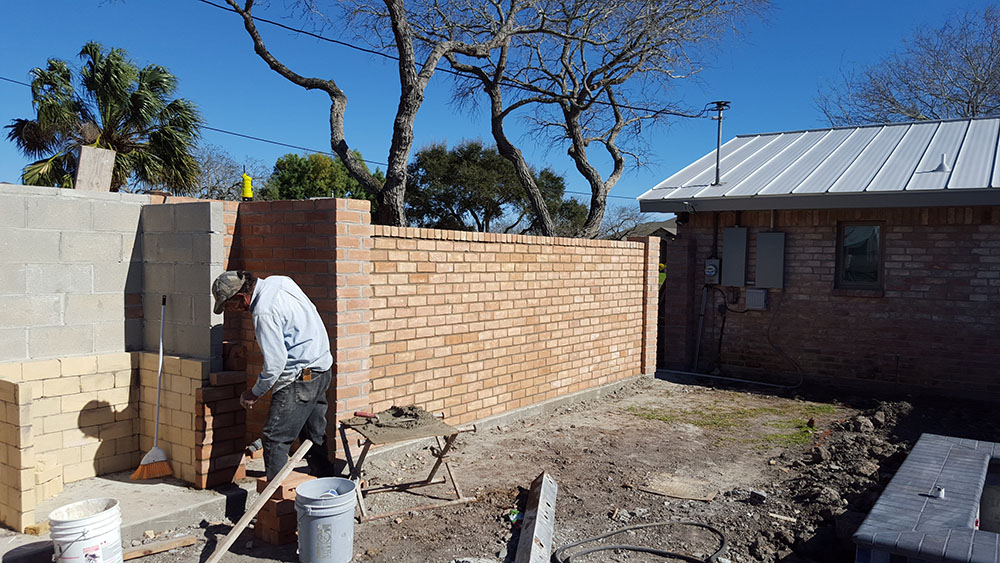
x,y
943,167
720,106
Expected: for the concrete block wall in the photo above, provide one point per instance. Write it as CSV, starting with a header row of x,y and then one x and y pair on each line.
x,y
476,324
183,252
70,273
930,330
17,458
80,417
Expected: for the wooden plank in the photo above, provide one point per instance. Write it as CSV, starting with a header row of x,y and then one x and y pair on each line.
x,y
158,547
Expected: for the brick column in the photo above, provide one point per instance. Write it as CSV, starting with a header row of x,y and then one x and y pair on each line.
x,y
352,341
680,305
651,263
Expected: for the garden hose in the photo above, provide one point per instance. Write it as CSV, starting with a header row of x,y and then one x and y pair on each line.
x,y
560,558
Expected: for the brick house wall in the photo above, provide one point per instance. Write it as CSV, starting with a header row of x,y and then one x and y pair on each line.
x,y
932,329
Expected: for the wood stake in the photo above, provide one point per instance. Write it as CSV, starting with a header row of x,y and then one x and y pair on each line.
x,y
158,547
261,501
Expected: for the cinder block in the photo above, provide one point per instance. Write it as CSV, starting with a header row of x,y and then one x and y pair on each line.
x,y
13,344
21,311
43,279
193,279
79,471
60,386
131,247
194,369
58,214
124,277
29,247
110,336
178,308
39,370
12,212
13,279
158,279
157,218
167,247
97,381
116,216
50,342
90,247
192,341
195,217
207,248
79,365
11,371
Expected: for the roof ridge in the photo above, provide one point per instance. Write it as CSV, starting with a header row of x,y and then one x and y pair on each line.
x,y
868,125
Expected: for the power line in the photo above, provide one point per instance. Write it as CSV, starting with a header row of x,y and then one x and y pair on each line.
x,y
451,71
301,148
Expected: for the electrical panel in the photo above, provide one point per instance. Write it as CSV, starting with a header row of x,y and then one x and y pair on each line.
x,y
770,260
734,256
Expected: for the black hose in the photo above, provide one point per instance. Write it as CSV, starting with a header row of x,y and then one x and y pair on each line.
x,y
559,558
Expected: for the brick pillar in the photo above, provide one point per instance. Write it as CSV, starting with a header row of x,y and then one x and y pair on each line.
x,y
352,342
651,265
680,305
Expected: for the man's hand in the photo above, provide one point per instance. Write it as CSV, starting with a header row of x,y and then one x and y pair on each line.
x,y
247,399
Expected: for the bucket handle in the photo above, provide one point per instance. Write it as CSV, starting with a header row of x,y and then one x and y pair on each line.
x,y
83,535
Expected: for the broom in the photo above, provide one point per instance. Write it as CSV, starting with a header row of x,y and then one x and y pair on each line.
x,y
154,464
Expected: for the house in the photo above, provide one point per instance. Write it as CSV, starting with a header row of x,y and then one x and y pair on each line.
x,y
857,256
662,229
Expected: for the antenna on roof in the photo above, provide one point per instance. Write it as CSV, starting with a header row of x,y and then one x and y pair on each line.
x,y
720,106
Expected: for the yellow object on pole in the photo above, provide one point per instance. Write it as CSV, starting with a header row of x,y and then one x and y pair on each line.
x,y
247,187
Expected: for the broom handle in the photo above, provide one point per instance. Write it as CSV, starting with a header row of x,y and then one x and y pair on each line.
x,y
159,373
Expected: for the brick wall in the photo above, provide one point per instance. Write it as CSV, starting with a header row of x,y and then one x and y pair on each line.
x,y
478,324
70,273
932,329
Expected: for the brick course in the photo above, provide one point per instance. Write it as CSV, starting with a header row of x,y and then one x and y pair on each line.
x,y
930,329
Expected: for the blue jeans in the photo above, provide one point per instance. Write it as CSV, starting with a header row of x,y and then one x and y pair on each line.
x,y
298,410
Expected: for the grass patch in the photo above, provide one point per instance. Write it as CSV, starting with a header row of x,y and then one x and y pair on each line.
x,y
789,420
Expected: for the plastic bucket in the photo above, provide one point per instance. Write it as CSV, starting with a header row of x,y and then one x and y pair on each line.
x,y
89,531
325,509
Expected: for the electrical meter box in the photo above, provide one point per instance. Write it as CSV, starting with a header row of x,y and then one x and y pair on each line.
x,y
734,256
712,271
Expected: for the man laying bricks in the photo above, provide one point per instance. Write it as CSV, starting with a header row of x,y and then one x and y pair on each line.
x,y
297,362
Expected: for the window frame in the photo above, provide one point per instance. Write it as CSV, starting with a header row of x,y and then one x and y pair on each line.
x,y
838,281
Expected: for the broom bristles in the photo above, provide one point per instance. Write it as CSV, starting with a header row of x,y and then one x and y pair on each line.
x,y
154,464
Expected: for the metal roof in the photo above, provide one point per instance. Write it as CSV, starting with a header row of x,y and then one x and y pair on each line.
x,y
925,163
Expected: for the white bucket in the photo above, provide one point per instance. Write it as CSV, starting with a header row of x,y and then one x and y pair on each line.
x,y
89,531
325,510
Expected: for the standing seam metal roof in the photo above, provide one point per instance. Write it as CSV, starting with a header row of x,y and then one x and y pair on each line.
x,y
948,162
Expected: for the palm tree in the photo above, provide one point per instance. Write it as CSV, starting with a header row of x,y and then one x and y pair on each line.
x,y
120,107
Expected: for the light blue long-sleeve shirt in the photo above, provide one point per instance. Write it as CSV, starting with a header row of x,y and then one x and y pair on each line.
x,y
289,331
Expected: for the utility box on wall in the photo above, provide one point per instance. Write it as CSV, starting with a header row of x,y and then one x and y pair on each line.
x,y
770,261
734,256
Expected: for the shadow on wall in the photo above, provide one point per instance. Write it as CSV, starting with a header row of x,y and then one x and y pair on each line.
x,y
133,296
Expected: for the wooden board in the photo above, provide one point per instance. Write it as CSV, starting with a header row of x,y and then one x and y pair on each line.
x,y
158,547
390,434
670,485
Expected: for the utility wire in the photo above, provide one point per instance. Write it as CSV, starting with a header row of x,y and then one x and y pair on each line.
x,y
301,148
451,71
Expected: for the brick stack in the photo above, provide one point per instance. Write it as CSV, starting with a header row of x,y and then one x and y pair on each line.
x,y
276,522
220,430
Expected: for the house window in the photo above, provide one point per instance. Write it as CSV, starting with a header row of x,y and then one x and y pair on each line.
x,y
859,256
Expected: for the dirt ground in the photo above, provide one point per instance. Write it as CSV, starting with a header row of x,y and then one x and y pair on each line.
x,y
790,477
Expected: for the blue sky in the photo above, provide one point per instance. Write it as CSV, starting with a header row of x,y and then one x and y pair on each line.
x,y
771,73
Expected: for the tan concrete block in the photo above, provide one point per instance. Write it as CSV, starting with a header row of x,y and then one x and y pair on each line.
x,y
128,444
194,369
116,430
46,369
181,454
8,391
49,442
115,463
21,458
40,408
61,386
114,362
76,437
11,371
48,489
172,365
123,378
97,381
58,423
50,474
116,396
79,471
95,417
79,365
69,455
79,402
148,361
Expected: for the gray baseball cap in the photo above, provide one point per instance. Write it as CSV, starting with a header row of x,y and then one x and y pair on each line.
x,y
225,287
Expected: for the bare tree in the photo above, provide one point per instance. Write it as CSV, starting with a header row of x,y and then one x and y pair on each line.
x,y
413,78
620,221
949,72
589,75
220,175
